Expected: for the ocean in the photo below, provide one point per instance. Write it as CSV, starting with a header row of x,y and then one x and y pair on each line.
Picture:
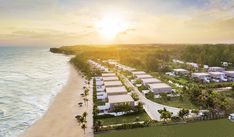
x,y
29,80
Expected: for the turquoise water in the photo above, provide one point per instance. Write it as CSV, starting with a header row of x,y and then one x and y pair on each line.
x,y
29,79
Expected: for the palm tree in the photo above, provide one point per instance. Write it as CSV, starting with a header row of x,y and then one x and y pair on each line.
x,y
85,115
83,126
82,120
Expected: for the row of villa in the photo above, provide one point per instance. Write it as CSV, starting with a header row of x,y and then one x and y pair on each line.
x,y
154,85
213,74
112,91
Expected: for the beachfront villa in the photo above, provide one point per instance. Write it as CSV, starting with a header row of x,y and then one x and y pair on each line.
x,y
160,88
116,90
100,88
205,77
113,84
150,81
113,78
108,75
180,71
114,100
216,69
138,73
124,68
229,75
192,64
217,76
99,83
143,76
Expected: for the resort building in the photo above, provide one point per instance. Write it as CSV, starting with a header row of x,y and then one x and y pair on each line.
x,y
101,95
108,75
150,81
216,69
145,76
113,84
110,78
116,90
229,75
192,64
100,88
138,73
205,77
231,117
99,83
180,71
160,88
217,76
119,100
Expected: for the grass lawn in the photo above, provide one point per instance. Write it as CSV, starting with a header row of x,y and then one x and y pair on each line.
x,y
125,119
213,128
176,102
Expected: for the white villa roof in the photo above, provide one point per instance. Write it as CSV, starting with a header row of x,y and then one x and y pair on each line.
x,y
108,75
229,72
180,70
120,98
110,78
144,76
216,73
138,73
200,74
159,86
112,83
113,90
151,80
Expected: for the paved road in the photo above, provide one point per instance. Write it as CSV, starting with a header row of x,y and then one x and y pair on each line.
x,y
150,107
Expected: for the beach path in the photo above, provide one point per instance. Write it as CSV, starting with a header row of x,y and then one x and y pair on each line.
x,y
59,120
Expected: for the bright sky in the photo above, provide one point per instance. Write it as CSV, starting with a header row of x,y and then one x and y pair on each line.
x,y
68,22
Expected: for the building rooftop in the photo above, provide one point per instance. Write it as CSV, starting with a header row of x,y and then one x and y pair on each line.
x,y
216,73
110,78
120,98
144,76
229,72
201,74
112,83
180,70
159,85
116,90
108,74
138,72
151,80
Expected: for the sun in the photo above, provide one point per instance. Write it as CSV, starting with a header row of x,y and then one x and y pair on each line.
x,y
111,25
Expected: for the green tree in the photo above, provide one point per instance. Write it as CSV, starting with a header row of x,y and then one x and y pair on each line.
x,y
83,126
164,114
183,113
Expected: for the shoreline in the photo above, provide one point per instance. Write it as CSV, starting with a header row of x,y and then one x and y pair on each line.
x,y
59,120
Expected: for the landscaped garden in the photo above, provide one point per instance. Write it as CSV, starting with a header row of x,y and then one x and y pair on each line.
x,y
124,119
212,128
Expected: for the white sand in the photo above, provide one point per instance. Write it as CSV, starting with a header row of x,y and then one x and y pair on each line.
x,y
59,120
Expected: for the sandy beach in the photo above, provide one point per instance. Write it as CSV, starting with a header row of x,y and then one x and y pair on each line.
x,y
59,120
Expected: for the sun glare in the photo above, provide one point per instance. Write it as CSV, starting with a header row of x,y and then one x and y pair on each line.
x,y
111,25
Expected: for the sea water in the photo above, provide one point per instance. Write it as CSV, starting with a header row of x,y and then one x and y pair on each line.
x,y
29,80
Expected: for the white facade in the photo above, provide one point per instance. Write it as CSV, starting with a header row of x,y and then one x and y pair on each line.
x,y
145,76
216,69
218,76
180,71
160,88
205,77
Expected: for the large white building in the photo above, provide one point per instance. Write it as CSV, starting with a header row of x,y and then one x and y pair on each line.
x,y
216,69
116,90
205,77
113,84
113,78
145,76
160,88
120,99
180,71
150,81
217,76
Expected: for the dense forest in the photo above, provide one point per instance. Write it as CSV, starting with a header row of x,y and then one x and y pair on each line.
x,y
153,57
211,55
